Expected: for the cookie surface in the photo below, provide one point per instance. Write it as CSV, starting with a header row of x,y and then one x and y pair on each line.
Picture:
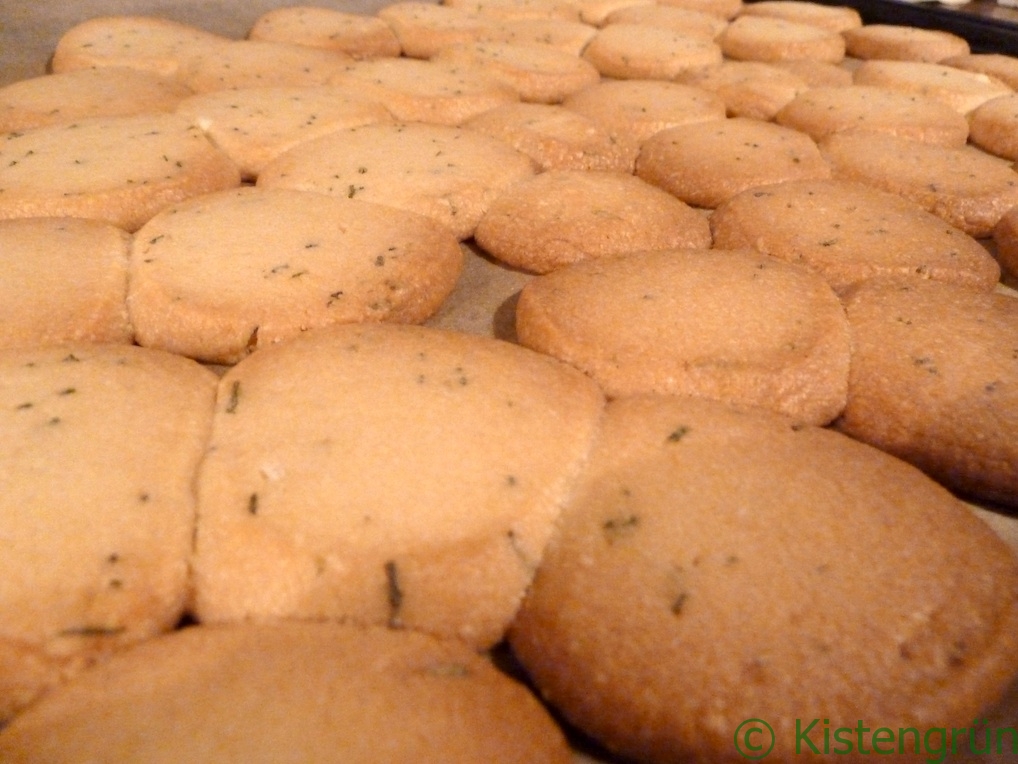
x,y
993,126
1005,237
1004,68
216,278
769,38
899,42
752,89
662,322
834,18
637,51
962,91
562,217
424,28
355,34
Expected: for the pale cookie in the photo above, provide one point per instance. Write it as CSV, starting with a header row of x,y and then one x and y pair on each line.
x,y
540,74
83,93
706,163
752,89
97,470
817,73
636,51
1005,237
961,90
217,277
677,608
258,63
519,10
834,18
633,110
696,24
425,91
424,28
954,351
119,169
561,34
725,9
140,42
596,12
255,125
849,232
355,34
966,187
993,126
903,43
563,217
65,280
768,38
556,138
291,692
823,111
448,174
1004,68
419,491
665,322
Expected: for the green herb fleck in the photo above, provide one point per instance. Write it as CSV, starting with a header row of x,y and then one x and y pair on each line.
x,y
394,594
679,603
677,434
234,401
252,504
620,527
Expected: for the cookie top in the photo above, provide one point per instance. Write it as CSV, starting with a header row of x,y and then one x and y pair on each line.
x,y
1004,68
119,169
898,42
725,9
1005,238
97,468
770,38
446,173
752,89
834,18
424,28
959,89
356,34
850,232
954,351
638,628
301,691
566,216
638,51
696,24
706,163
421,492
519,10
217,277
66,280
569,36
993,126
663,322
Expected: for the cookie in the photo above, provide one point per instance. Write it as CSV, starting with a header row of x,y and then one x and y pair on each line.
x,y
424,28
301,691
119,169
993,126
255,125
101,448
751,89
834,18
519,10
769,38
596,12
83,93
562,34
1005,237
704,164
961,90
998,65
824,111
420,494
448,174
217,277
850,232
964,186
556,138
954,351
424,91
683,594
66,280
540,74
725,9
665,322
356,34
637,51
563,217
696,24
898,42
817,73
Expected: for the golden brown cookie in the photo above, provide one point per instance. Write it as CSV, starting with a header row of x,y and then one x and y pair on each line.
x,y
729,325
725,9
563,217
959,89
993,126
818,73
519,10
696,24
834,18
1005,237
356,34
424,28
637,51
770,38
752,89
1004,68
899,42
566,35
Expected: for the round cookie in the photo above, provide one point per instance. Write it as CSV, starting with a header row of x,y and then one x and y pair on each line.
x,y
637,51
752,89
65,280
97,466
255,125
448,174
696,24
834,18
596,12
83,93
1003,68
961,90
817,73
964,186
119,169
293,692
769,38
424,91
705,164
217,277
420,494
725,9
850,232
424,28
1005,238
566,35
563,217
823,111
734,326
954,351
715,567
993,126
519,10
895,42
356,34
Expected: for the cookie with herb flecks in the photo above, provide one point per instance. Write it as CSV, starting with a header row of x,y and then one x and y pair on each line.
x,y
961,90
1005,237
97,466
956,353
637,51
900,42
993,126
387,474
753,89
716,566
769,38
356,34
424,28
